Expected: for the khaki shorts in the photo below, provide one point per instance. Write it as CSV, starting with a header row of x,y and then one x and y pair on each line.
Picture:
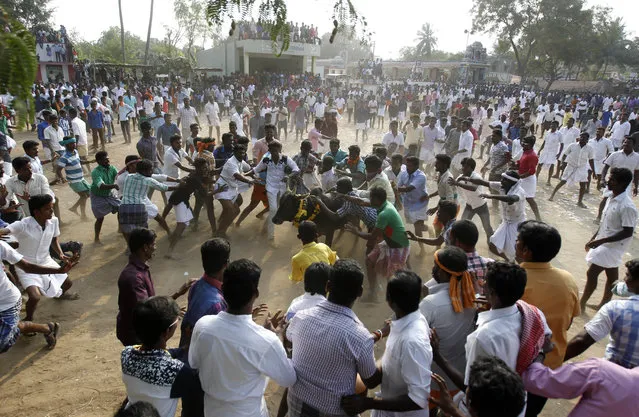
x,y
83,150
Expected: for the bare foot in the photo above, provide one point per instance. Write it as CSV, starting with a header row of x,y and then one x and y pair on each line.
x,y
52,336
97,242
582,205
74,211
551,198
69,296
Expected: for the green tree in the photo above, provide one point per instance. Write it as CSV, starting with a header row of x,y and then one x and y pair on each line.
x,y
18,63
108,47
191,15
33,14
273,16
556,55
515,21
426,41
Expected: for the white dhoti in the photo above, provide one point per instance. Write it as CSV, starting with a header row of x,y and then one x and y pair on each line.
x,y
151,209
414,216
427,156
505,238
183,214
575,174
529,184
608,255
598,167
547,158
50,284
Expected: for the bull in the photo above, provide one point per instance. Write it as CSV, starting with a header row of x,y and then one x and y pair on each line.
x,y
317,207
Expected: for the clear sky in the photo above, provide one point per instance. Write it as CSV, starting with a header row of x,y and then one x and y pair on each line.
x,y
395,22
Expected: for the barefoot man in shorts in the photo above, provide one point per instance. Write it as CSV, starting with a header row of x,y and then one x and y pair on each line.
x,y
38,234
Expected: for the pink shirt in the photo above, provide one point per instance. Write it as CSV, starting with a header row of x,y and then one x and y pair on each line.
x,y
607,389
314,135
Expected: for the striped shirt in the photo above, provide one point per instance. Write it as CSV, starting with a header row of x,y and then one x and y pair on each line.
x,y
331,346
136,188
70,161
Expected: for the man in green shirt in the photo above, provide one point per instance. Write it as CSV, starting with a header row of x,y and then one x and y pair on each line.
x,y
388,247
103,201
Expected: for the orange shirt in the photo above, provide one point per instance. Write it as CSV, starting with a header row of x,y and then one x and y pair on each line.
x,y
554,291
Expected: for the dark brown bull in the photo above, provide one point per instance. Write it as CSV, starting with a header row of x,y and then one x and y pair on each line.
x,y
288,211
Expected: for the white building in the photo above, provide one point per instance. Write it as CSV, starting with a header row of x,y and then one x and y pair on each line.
x,y
250,55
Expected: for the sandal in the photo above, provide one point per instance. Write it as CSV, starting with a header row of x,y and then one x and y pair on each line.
x,y
52,336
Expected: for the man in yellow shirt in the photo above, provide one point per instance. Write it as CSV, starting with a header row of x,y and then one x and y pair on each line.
x,y
554,291
311,252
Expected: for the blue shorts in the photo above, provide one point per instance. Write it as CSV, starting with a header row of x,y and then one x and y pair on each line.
x,y
9,330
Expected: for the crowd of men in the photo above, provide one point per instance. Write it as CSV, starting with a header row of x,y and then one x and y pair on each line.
x,y
492,335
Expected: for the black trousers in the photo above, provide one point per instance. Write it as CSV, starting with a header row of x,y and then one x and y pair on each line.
x,y
534,405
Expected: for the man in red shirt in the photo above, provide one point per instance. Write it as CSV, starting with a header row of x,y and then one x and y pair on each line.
x,y
527,168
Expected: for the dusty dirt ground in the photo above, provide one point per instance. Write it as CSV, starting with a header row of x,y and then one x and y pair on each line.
x,y
81,377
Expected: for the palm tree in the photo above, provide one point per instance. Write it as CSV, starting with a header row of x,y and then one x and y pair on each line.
x,y
426,41
148,36
122,32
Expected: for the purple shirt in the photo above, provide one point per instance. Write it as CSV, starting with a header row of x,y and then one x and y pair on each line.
x,y
607,389
135,284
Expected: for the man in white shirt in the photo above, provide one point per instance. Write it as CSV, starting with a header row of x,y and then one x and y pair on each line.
x,y
472,195
464,150
405,365
278,167
432,144
37,235
80,132
394,140
602,148
187,116
500,330
619,131
552,148
212,111
235,356
11,302
234,177
569,135
319,109
609,244
25,183
578,157
51,143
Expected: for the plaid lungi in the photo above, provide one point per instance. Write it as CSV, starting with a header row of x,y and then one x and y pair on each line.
x,y
388,260
9,330
101,206
298,408
132,216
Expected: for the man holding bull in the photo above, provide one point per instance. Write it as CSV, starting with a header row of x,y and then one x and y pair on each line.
x,y
388,247
278,167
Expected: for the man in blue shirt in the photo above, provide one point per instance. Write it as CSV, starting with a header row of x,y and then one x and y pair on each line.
x,y
205,299
95,120
605,117
411,185
166,130
43,124
223,152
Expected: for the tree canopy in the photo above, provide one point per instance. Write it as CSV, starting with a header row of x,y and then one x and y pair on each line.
x,y
556,39
18,62
33,14
426,41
